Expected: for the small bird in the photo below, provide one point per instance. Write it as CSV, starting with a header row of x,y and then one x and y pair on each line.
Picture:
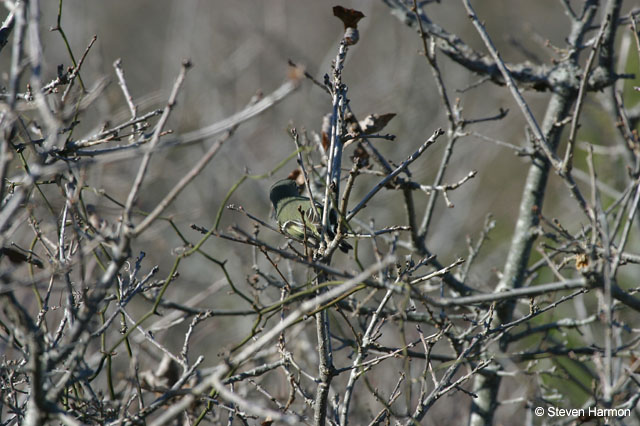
x,y
17,257
291,207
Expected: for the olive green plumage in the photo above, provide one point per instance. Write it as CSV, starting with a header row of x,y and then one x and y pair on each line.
x,y
289,204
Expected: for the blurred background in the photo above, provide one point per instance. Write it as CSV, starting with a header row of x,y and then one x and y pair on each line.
x,y
240,48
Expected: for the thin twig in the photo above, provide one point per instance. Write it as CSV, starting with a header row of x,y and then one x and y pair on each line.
x,y
396,172
567,164
142,170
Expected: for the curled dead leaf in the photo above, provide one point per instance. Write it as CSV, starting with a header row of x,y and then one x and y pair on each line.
x,y
582,261
297,176
374,123
349,17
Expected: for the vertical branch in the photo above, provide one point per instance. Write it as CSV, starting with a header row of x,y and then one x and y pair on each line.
x,y
19,12
122,82
305,175
35,56
548,149
431,203
601,229
325,368
567,164
6,28
8,118
607,50
367,340
335,150
419,235
137,183
331,192
486,386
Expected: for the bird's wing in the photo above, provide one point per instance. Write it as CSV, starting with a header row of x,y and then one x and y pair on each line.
x,y
315,215
311,218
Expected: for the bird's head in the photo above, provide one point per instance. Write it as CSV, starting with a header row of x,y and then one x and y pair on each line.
x,y
281,189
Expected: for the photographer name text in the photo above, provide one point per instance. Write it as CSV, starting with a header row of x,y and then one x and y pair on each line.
x,y
590,412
